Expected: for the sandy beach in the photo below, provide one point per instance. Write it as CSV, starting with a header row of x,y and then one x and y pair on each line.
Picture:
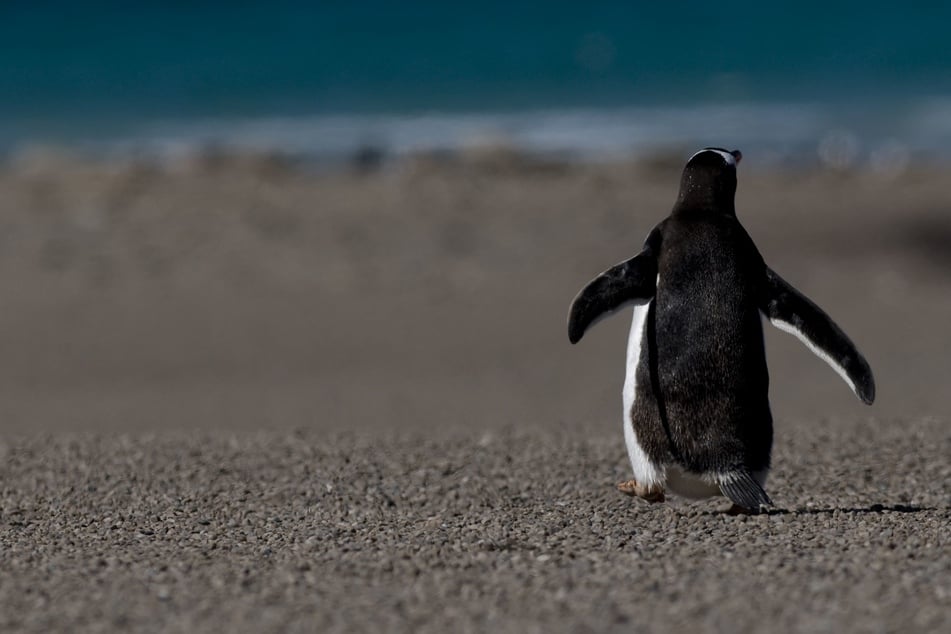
x,y
240,393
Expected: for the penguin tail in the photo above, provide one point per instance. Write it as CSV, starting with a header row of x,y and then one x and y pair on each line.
x,y
743,489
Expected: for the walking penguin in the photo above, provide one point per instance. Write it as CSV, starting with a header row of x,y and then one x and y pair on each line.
x,y
697,421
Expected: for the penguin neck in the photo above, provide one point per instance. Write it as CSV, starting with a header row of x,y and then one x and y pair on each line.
x,y
698,206
703,191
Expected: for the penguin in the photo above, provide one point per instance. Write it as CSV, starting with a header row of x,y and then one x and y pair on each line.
x,y
696,415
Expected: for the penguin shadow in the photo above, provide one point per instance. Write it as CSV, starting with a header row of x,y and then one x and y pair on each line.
x,y
873,509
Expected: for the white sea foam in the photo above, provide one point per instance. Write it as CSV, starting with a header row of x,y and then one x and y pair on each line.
x,y
770,132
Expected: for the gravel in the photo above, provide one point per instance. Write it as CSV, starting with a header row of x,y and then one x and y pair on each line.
x,y
514,530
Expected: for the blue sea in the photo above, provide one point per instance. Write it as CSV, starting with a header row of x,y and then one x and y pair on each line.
x,y
848,82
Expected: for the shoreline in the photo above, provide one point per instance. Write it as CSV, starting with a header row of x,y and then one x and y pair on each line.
x,y
491,156
794,134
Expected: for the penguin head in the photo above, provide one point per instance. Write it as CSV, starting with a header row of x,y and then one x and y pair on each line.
x,y
709,180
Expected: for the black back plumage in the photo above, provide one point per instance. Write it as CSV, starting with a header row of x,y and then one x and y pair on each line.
x,y
707,407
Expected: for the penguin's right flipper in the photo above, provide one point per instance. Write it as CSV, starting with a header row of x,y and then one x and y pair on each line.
x,y
743,490
633,281
791,311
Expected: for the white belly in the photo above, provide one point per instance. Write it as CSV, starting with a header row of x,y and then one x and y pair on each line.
x,y
691,485
646,472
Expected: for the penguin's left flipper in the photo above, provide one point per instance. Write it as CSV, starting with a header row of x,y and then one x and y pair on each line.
x,y
791,311
630,282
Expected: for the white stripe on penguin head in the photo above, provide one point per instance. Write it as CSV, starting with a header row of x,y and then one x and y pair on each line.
x,y
728,158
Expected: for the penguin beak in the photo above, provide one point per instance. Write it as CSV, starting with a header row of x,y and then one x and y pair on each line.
x,y
737,155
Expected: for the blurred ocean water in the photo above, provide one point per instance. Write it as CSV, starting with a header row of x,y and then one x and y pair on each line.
x,y
845,82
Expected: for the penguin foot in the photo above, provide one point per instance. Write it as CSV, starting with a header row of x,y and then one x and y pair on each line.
x,y
635,489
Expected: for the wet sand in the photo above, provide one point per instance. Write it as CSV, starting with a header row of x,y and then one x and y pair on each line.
x,y
238,393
